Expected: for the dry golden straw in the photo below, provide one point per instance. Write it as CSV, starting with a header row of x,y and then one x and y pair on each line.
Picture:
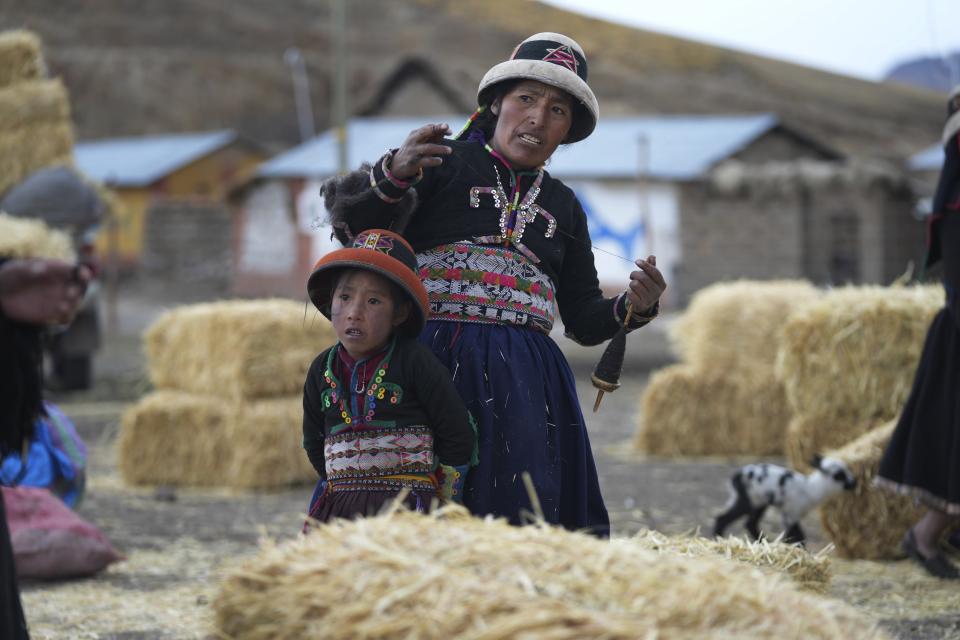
x,y
28,104
449,575
33,147
32,238
242,349
868,522
736,326
175,438
20,57
809,571
852,355
809,436
689,412
724,398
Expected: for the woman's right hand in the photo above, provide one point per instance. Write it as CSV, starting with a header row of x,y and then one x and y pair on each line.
x,y
41,290
422,148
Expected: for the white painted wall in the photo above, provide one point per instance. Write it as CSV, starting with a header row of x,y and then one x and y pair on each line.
x,y
311,215
268,243
631,221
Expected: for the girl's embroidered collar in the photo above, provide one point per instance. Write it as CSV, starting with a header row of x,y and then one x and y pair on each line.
x,y
328,370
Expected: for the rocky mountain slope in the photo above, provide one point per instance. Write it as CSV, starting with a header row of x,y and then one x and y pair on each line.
x,y
152,66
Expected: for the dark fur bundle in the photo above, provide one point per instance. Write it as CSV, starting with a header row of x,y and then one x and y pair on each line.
x,y
21,382
340,193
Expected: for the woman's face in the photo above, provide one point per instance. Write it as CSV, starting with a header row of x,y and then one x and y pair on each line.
x,y
532,120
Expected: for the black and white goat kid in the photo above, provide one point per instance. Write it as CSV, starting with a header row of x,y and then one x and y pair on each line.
x,y
755,487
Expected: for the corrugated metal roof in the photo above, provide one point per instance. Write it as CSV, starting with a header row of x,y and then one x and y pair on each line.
x,y
368,139
930,159
670,147
138,162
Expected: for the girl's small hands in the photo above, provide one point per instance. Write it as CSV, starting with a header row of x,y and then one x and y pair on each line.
x,y
646,285
422,148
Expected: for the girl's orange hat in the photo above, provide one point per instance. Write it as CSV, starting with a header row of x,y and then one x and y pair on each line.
x,y
380,251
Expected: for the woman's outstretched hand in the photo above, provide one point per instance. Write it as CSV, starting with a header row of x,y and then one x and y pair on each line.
x,y
646,285
42,291
422,148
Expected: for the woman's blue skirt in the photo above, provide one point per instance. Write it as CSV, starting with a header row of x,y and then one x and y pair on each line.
x,y
519,388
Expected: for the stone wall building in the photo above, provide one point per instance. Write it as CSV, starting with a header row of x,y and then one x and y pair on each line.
x,y
714,197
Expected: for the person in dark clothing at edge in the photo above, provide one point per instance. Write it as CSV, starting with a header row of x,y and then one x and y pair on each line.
x,y
499,243
922,458
34,292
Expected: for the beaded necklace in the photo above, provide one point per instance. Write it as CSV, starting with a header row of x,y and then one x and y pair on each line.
x,y
515,214
340,394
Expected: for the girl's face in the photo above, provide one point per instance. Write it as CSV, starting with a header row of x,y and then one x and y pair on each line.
x,y
532,120
364,313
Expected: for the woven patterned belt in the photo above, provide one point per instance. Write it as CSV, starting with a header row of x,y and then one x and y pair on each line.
x,y
388,458
475,283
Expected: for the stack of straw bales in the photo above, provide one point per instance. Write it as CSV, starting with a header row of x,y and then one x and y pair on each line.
x,y
228,406
35,128
848,362
29,238
868,523
724,398
375,578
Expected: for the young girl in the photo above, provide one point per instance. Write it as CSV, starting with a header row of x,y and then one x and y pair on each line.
x,y
380,413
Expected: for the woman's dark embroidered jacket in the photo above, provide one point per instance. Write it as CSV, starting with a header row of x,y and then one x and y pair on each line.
x,y
439,213
426,397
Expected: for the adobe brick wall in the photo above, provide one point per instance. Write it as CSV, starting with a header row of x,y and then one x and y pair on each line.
x,y
725,237
188,248
797,231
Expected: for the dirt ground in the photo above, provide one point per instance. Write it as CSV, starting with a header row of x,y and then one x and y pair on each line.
x,y
178,543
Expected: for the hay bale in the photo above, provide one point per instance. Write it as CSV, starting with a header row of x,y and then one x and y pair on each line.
x,y
176,438
35,129
32,238
20,57
24,150
239,349
482,578
28,104
868,522
807,436
808,571
852,354
689,412
736,326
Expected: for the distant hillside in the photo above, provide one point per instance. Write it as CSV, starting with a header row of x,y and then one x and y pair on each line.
x,y
137,67
935,74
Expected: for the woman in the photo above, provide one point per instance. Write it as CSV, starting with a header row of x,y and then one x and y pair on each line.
x,y
923,456
499,243
33,292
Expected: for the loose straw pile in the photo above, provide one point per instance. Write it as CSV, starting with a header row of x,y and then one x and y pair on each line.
x,y
808,571
31,238
724,398
868,522
848,361
406,575
228,410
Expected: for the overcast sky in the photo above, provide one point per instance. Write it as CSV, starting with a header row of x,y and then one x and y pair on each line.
x,y
861,38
